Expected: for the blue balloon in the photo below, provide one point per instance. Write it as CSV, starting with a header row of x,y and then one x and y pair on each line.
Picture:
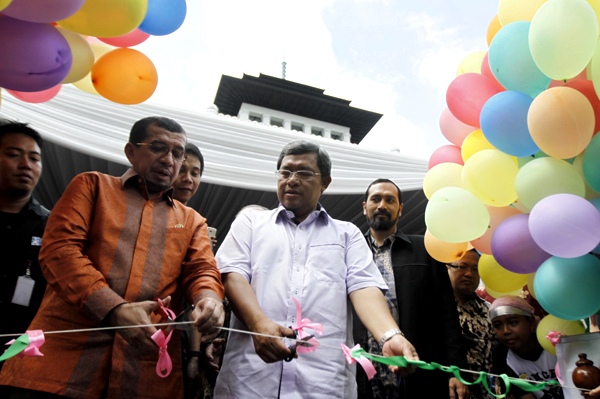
x,y
511,61
163,17
568,287
503,121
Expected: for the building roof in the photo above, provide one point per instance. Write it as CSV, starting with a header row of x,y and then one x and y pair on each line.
x,y
294,98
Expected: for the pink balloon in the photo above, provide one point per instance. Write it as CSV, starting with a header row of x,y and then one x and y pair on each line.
x,y
131,39
487,72
467,94
446,153
42,11
497,215
453,129
36,96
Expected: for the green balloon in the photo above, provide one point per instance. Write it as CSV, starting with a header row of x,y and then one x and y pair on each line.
x,y
591,163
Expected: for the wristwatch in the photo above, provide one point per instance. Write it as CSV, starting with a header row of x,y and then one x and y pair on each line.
x,y
388,335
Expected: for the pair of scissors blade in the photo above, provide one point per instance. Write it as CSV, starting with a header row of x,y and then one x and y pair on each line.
x,y
304,341
184,316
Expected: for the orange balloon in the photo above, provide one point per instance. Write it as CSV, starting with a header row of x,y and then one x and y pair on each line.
x,y
443,251
125,76
497,215
493,28
561,122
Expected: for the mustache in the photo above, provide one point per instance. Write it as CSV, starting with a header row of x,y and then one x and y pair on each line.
x,y
382,212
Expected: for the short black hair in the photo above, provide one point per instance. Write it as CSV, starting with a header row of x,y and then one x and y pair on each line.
x,y
191,149
7,127
300,147
139,129
384,181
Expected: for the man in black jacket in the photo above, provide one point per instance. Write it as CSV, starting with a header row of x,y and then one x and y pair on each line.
x,y
420,298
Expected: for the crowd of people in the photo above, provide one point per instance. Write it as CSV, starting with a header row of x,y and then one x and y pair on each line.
x,y
112,246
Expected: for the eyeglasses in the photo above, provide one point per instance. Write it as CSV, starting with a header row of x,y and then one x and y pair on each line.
x,y
283,174
161,149
463,269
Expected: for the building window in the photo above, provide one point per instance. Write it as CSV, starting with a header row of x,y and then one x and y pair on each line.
x,y
317,131
255,117
298,126
276,122
337,136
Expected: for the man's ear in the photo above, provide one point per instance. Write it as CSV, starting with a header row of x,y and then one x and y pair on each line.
x,y
130,152
365,208
326,183
400,210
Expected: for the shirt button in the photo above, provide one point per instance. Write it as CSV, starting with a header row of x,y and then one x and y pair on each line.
x,y
293,319
297,269
296,292
299,245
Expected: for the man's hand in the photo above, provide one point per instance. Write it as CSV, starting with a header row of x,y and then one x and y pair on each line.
x,y
594,393
212,354
194,379
208,314
458,390
271,350
399,346
133,314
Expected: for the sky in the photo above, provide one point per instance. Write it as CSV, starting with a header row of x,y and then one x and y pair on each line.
x,y
393,57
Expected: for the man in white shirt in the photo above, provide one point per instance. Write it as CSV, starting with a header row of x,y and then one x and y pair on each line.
x,y
298,251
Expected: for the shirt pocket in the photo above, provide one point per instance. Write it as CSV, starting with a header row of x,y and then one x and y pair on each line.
x,y
327,263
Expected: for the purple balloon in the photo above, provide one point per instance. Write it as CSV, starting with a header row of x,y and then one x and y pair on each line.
x,y
514,248
42,10
565,225
34,57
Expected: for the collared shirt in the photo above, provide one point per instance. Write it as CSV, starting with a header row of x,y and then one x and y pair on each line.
x,y
107,243
319,262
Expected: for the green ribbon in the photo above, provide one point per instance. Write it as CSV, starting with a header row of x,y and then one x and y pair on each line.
x,y
17,347
402,361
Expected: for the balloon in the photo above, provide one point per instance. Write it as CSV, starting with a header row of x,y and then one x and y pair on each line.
x,y
565,225
453,129
466,95
490,175
106,18
498,294
487,72
498,278
591,164
582,76
492,29
552,323
125,76
34,57
455,215
447,174
131,39
504,123
530,278
511,61
517,10
561,121
474,143
522,161
442,251
446,153
85,84
36,96
586,88
546,176
514,248
596,203
563,37
4,4
568,288
163,17
471,63
497,215
42,10
578,165
596,6
83,56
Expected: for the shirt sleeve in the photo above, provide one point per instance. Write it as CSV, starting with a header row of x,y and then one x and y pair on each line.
x,y
362,271
234,254
68,271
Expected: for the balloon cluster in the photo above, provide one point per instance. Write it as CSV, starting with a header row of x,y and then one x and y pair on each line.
x,y
47,43
521,180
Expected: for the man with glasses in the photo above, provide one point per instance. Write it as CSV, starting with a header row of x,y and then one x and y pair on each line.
x,y
111,246
473,315
298,251
420,299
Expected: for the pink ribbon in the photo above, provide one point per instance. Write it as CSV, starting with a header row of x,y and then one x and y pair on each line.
x,y
36,339
554,337
164,364
306,323
363,361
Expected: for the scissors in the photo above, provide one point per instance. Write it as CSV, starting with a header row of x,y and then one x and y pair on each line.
x,y
299,342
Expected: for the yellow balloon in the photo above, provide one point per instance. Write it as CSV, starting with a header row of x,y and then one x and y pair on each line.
x,y
596,6
447,174
530,278
517,10
553,323
471,63
498,278
497,294
83,56
86,84
490,175
445,252
4,4
107,18
493,28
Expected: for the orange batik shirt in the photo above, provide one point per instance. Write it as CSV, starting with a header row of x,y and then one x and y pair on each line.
x,y
105,244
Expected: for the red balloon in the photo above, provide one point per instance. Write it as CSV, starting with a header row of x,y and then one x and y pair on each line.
x,y
36,96
467,94
131,39
446,153
453,129
487,72
582,76
586,87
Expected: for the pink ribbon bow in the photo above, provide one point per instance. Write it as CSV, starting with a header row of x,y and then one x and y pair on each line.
x,y
554,337
36,339
363,361
306,323
164,364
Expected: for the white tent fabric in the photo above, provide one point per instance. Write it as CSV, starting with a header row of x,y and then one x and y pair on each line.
x,y
237,153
